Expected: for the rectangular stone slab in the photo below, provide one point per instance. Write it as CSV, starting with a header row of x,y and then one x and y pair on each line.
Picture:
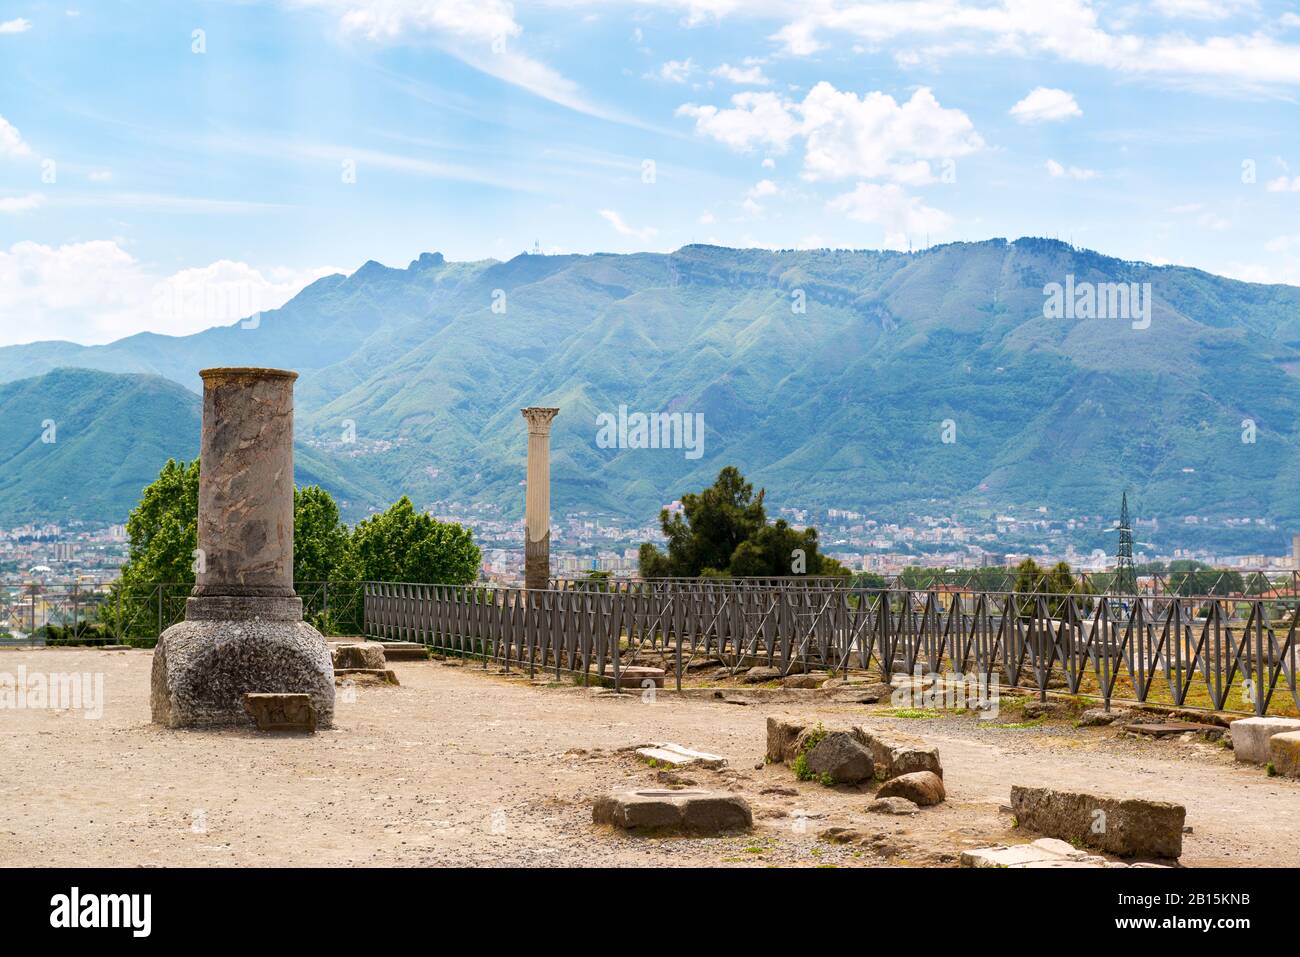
x,y
635,676
699,812
281,712
1250,737
676,756
1170,729
1128,827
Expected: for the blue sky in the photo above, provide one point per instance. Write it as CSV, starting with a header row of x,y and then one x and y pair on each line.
x,y
143,165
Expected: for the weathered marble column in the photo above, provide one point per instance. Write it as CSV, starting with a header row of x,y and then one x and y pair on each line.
x,y
537,509
243,629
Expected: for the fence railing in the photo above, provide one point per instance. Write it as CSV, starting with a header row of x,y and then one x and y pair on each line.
x,y
96,612
1206,581
1188,651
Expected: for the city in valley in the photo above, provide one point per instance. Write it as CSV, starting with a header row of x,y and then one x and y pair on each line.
x,y
584,542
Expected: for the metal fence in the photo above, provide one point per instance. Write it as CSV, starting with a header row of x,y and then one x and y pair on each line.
x,y
1189,651
96,612
1269,583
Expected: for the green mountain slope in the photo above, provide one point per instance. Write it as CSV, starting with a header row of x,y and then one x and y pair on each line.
x,y
82,444
842,404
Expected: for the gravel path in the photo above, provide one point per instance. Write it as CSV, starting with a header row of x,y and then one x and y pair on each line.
x,y
461,767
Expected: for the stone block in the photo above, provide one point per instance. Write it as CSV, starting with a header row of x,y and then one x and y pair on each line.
x,y
281,712
403,650
1129,827
1284,754
839,758
635,676
781,737
923,788
1098,717
893,755
361,655
892,805
1250,736
660,811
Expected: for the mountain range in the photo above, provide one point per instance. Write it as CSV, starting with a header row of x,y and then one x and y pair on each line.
x,y
877,381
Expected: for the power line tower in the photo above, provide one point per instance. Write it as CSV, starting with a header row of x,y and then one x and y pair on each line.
x,y
1125,570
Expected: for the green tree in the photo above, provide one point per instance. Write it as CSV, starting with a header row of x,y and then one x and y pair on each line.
x,y
404,545
870,580
777,549
162,536
320,539
1029,581
706,533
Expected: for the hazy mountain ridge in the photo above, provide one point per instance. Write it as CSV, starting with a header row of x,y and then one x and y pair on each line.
x,y
841,405
82,444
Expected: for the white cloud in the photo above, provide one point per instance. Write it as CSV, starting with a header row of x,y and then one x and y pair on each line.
x,y
798,38
744,76
100,175
845,135
1067,29
621,227
1203,9
754,119
1046,105
677,71
1284,184
12,145
1057,171
769,163
888,205
94,292
760,190
20,204
482,21
15,26
480,33
875,136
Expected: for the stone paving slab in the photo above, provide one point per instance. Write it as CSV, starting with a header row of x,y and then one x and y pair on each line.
x,y
1171,728
676,756
1044,852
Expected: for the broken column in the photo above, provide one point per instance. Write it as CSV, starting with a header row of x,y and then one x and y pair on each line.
x,y
537,509
243,630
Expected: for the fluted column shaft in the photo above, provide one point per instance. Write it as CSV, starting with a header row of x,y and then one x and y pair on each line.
x,y
537,507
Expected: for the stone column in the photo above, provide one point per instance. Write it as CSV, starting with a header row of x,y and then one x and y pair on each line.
x,y
537,510
243,629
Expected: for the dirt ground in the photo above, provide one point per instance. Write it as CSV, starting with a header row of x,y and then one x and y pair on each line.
x,y
459,766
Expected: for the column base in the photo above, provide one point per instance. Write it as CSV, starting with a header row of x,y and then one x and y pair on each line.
x,y
202,669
